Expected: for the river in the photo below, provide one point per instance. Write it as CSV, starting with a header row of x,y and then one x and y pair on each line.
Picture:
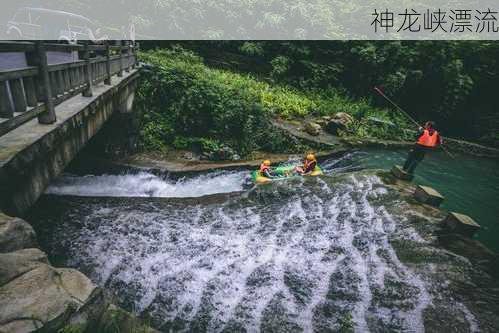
x,y
469,184
338,252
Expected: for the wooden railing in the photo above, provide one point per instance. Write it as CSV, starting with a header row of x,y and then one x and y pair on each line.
x,y
34,90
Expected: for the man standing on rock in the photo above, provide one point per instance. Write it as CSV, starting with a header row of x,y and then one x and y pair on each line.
x,y
428,139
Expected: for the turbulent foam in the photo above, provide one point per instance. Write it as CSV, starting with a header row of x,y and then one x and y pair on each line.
x,y
316,258
147,185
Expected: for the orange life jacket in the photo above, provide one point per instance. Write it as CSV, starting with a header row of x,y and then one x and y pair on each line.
x,y
263,168
428,140
309,166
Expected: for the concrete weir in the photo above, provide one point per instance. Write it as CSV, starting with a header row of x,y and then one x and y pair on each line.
x,y
33,154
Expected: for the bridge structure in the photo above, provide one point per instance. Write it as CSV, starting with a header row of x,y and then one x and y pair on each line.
x,y
53,99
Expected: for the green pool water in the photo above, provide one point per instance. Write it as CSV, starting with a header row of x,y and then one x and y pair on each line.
x,y
470,184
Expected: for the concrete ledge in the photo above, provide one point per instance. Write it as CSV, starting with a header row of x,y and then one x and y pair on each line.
x,y
398,172
461,224
428,195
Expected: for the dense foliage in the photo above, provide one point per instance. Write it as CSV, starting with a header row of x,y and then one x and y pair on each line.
x,y
188,104
452,82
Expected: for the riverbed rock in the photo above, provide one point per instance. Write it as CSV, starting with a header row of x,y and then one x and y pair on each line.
x,y
224,153
313,128
323,121
189,155
15,234
334,126
338,122
472,249
428,195
43,297
343,117
14,264
461,224
118,320
398,172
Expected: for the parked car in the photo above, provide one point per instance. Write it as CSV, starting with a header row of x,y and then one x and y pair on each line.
x,y
41,23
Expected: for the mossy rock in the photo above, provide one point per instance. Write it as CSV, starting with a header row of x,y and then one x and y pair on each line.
x,y
117,320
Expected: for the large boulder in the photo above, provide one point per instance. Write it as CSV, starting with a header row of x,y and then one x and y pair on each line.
x,y
224,153
338,122
333,126
45,297
313,128
15,264
323,121
343,117
15,234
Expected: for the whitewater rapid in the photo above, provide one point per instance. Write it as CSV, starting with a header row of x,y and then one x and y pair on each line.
x,y
301,255
304,255
146,184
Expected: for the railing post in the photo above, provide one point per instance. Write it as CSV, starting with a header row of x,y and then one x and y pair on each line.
x,y
30,89
132,54
16,89
108,64
136,46
47,117
87,92
137,49
128,45
120,73
6,109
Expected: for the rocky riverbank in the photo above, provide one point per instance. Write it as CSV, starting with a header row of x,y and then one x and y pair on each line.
x,y
460,244
38,297
324,132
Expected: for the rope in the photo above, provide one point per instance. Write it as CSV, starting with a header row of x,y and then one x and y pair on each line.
x,y
408,116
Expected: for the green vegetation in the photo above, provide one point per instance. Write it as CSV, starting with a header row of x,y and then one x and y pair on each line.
x,y
119,321
208,94
187,104
451,82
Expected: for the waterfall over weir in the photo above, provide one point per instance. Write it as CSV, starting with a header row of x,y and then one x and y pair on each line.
x,y
302,255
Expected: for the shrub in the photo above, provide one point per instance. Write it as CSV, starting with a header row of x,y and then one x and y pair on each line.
x,y
182,98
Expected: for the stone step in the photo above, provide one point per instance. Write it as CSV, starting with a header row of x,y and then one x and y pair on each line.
x,y
428,195
461,224
398,172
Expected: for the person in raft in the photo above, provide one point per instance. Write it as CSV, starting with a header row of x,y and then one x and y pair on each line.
x,y
428,139
309,165
266,170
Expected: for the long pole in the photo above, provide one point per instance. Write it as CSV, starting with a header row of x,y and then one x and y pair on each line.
x,y
408,116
